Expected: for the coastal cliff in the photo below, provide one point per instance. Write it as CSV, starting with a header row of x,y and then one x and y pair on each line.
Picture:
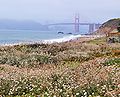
x,y
109,26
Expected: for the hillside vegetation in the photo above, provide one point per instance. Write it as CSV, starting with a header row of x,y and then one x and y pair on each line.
x,y
71,69
109,26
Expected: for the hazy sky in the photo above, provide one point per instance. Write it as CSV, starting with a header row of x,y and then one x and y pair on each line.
x,y
59,10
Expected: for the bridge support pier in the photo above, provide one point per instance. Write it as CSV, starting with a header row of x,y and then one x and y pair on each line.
x,y
91,28
77,23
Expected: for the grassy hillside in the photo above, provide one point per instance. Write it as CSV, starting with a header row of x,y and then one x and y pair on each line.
x,y
111,23
109,26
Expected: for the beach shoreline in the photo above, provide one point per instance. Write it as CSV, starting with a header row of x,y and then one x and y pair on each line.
x,y
79,38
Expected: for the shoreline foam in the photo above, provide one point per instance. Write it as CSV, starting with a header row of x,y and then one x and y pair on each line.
x,y
50,41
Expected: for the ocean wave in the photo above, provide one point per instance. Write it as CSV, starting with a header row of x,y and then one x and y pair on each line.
x,y
49,41
63,39
70,37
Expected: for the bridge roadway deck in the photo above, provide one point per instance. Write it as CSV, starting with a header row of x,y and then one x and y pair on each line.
x,y
73,24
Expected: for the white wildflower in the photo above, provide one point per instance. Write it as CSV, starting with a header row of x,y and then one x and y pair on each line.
x,y
60,90
85,93
98,96
83,90
77,93
54,96
98,84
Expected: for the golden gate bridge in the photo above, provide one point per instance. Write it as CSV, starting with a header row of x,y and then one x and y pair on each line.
x,y
91,26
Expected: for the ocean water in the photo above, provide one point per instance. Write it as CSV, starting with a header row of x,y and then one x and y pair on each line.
x,y
21,36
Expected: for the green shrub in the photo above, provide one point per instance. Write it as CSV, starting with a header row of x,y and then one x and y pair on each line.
x,y
115,61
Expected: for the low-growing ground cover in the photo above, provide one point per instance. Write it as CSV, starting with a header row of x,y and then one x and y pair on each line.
x,y
70,69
